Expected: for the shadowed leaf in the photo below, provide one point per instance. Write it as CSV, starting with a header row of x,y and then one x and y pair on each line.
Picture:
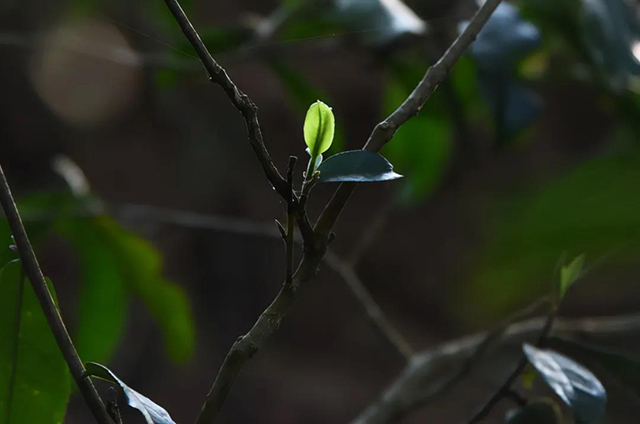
x,y
573,383
152,412
357,166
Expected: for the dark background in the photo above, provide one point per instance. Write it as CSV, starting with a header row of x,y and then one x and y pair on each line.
x,y
85,80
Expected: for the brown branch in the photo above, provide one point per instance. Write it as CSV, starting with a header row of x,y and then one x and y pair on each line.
x,y
34,274
240,100
385,130
419,380
314,247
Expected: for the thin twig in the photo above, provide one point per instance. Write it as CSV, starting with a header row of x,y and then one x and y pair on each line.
x,y
370,307
384,131
34,274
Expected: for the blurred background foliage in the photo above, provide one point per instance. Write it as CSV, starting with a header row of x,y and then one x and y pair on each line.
x,y
528,152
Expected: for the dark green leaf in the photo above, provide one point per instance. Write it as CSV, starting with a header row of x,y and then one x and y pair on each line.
x,y
625,369
573,383
102,302
34,379
152,412
359,166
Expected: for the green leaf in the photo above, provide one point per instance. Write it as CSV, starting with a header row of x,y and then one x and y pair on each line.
x,y
358,166
34,379
570,273
152,412
301,93
623,368
536,412
319,128
103,301
573,383
141,267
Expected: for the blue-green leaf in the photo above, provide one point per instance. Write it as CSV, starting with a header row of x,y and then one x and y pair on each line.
x,y
357,166
573,383
622,367
152,412
34,379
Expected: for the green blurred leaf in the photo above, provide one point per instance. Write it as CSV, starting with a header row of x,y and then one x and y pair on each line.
x,y
593,208
570,273
423,145
573,383
102,302
319,128
623,368
356,166
141,267
152,412
34,379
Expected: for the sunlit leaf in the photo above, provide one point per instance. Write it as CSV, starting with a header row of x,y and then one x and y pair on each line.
x,y
301,93
152,412
319,128
573,383
34,379
357,166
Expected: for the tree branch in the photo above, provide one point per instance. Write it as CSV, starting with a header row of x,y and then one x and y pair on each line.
x,y
385,130
240,100
419,380
315,247
32,270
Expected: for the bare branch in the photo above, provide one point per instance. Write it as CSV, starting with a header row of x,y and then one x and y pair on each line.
x,y
419,380
370,307
385,130
240,100
32,270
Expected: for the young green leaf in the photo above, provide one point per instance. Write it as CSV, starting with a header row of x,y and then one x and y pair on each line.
x,y
570,273
34,379
152,412
319,128
356,166
573,383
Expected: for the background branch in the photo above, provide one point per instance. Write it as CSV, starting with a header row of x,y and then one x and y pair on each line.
x,y
419,380
32,269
